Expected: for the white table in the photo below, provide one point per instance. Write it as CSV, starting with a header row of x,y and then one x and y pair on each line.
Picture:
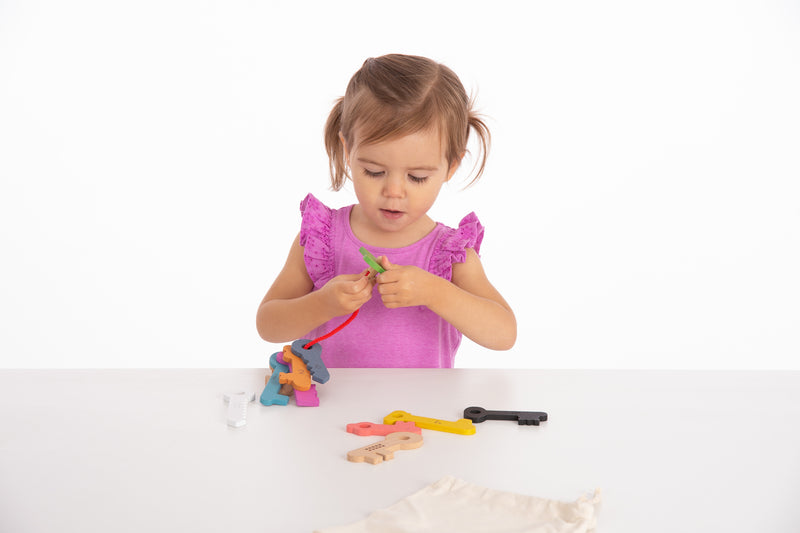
x,y
149,450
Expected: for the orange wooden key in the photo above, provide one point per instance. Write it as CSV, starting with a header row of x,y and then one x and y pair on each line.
x,y
299,377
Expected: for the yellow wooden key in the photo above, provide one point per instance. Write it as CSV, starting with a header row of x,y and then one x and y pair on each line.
x,y
461,426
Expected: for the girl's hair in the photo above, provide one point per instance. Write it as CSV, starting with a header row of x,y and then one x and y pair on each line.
x,y
396,95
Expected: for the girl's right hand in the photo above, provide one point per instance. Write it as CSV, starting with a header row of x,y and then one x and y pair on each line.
x,y
348,292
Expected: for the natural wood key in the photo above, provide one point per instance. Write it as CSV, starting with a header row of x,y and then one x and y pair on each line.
x,y
525,418
384,450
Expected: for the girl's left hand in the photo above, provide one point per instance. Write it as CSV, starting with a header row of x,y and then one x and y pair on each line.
x,y
404,285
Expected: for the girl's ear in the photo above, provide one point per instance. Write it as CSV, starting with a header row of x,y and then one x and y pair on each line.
x,y
454,166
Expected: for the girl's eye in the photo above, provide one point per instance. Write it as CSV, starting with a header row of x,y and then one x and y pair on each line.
x,y
379,173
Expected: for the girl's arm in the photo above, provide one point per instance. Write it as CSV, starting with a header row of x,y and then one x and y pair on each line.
x,y
470,303
290,309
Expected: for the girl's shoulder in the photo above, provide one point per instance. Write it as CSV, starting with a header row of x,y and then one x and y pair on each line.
x,y
452,244
316,215
318,220
316,238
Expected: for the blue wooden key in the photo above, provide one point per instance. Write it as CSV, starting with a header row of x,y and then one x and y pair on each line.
x,y
312,357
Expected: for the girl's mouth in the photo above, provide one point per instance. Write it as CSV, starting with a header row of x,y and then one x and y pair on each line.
x,y
391,214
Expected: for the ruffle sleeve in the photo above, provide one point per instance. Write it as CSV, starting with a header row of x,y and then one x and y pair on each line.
x,y
452,246
316,233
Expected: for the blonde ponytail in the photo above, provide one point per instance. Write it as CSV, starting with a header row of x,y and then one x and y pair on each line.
x,y
333,146
477,124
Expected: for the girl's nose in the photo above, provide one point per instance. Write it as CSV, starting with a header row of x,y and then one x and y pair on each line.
x,y
394,186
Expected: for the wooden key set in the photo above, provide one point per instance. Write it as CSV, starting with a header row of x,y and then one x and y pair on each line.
x,y
293,369
300,363
403,431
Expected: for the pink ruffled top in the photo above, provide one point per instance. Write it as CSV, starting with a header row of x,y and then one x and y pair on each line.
x,y
411,337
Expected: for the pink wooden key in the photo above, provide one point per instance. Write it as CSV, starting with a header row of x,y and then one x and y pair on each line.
x,y
368,428
307,398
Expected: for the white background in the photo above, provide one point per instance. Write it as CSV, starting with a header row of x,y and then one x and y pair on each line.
x,y
642,198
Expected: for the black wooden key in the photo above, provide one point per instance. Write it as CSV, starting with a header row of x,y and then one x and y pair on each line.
x,y
525,418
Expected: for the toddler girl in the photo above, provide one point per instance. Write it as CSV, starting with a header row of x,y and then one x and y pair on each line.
x,y
399,133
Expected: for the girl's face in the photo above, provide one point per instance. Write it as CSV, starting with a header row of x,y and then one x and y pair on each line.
x,y
396,183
